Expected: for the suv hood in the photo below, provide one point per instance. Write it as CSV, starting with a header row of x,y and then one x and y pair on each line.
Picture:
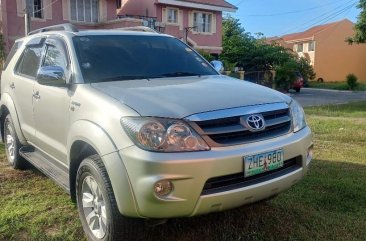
x,y
184,96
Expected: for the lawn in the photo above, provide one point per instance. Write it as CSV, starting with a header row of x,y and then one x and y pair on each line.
x,y
329,204
336,85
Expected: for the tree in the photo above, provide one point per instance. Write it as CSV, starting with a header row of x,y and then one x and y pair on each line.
x,y
360,27
258,54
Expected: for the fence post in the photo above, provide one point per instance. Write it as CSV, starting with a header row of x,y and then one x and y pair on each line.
x,y
241,74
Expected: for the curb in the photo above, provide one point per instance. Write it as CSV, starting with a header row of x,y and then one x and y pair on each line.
x,y
339,91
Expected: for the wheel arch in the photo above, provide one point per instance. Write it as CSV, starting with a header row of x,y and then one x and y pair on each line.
x,y
8,107
87,138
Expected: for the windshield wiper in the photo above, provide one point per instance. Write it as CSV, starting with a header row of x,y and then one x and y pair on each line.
x,y
180,74
122,77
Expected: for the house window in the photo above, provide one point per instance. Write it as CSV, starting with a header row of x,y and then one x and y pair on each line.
x,y
172,15
37,9
311,46
300,48
202,22
118,3
84,10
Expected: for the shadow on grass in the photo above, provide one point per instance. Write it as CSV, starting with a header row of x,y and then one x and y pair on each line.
x,y
329,204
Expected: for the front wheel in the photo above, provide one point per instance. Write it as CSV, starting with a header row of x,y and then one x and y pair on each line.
x,y
97,206
12,145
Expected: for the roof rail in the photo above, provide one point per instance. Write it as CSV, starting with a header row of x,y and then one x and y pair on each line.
x,y
138,29
61,27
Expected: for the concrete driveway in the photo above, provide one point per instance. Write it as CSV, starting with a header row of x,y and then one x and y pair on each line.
x,y
313,97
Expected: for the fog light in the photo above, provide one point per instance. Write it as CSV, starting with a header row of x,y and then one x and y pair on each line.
x,y
310,154
163,188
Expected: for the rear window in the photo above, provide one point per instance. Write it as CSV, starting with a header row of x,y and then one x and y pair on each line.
x,y
12,52
127,57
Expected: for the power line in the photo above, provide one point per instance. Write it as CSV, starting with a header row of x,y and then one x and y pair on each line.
x,y
292,12
47,6
324,17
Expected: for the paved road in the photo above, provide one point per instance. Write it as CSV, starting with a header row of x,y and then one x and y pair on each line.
x,y
312,97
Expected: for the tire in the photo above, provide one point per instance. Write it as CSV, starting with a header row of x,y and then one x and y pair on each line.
x,y
12,145
297,89
96,203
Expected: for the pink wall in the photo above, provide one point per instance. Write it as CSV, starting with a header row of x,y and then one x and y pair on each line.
x,y
138,8
214,40
13,25
16,28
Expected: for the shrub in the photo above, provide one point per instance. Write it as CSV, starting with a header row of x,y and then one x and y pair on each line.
x,y
352,81
285,75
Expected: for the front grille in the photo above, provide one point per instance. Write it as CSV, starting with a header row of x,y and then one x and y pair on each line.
x,y
229,130
235,181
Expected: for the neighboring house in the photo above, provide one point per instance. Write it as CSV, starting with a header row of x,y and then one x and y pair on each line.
x,y
326,49
168,16
199,22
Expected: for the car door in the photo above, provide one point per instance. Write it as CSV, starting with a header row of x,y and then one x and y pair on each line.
x,y
22,85
51,107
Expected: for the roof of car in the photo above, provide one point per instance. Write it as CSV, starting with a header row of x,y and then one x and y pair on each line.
x,y
70,30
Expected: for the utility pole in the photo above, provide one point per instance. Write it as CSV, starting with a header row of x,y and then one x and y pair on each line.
x,y
27,16
187,29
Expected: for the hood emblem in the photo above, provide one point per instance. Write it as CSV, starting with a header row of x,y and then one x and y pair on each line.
x,y
253,122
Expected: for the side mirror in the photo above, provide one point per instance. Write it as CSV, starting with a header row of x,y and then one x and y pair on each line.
x,y
51,76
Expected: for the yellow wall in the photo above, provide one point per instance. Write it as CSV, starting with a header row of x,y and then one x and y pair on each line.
x,y
334,58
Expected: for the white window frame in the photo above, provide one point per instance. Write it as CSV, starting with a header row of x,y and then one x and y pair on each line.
x,y
311,43
93,13
202,29
168,20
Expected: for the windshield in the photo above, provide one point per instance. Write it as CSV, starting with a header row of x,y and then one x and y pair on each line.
x,y
126,57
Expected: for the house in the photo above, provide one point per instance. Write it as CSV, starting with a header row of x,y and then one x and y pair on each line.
x,y
328,52
197,21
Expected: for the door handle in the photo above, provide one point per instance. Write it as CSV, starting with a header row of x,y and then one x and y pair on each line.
x,y
36,95
12,85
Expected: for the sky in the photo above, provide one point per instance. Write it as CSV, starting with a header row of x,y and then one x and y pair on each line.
x,y
280,17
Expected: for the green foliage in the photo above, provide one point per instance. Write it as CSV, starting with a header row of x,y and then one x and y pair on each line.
x,y
206,55
229,66
352,81
285,74
306,70
258,54
2,48
360,27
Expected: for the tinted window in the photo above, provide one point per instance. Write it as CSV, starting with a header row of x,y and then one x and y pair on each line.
x,y
55,57
12,52
29,62
125,57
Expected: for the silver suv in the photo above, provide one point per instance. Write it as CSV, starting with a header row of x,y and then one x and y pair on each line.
x,y
136,125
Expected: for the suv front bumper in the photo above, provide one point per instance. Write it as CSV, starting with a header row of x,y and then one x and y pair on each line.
x,y
190,171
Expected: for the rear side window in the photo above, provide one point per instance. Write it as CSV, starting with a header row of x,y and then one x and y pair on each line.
x,y
12,52
29,63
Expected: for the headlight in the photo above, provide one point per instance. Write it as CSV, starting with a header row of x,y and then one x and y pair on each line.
x,y
298,116
163,135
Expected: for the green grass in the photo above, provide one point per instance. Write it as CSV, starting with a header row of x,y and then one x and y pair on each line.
x,y
336,85
329,204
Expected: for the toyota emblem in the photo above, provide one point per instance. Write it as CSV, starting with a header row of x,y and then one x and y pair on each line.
x,y
255,123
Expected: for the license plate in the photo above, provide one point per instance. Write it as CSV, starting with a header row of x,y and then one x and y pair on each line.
x,y
263,162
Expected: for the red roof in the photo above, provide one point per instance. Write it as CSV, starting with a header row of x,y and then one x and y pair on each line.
x,y
310,32
219,3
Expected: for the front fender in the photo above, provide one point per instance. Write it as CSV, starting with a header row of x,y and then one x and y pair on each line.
x,y
94,135
7,101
